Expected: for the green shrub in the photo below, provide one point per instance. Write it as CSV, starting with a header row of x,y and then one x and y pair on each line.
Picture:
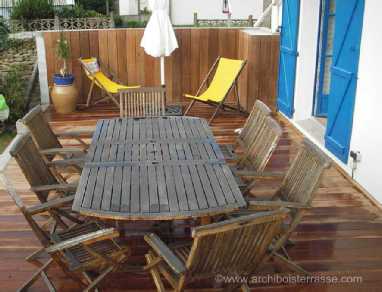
x,y
118,21
33,9
136,23
76,11
3,35
129,24
96,5
13,88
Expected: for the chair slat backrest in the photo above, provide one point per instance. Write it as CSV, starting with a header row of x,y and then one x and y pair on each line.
x,y
233,247
303,177
32,164
41,132
254,123
263,146
143,102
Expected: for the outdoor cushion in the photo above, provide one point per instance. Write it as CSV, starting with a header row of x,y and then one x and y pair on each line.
x,y
91,65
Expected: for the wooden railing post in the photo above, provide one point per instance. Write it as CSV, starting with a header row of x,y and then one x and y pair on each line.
x,y
196,19
112,22
250,20
56,23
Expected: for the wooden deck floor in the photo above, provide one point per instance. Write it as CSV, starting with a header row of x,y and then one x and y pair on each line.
x,y
341,235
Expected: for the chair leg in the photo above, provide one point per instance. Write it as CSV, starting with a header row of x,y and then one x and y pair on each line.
x,y
35,255
155,274
96,281
70,217
87,277
215,113
114,100
47,282
189,107
39,273
285,252
290,264
90,94
236,92
249,187
121,228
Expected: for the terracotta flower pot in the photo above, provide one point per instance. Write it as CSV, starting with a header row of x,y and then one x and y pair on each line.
x,y
64,94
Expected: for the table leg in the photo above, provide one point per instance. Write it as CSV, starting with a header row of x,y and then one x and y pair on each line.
x,y
205,220
120,227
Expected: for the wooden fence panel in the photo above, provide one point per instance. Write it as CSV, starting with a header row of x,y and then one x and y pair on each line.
x,y
120,53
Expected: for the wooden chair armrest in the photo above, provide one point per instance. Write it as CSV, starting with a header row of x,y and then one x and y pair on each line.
x,y
86,239
66,150
55,203
75,134
56,187
162,250
67,162
270,205
257,175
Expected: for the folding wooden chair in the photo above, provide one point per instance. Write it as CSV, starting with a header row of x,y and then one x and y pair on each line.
x,y
143,102
42,180
47,140
101,80
81,250
255,159
235,247
227,72
296,193
249,132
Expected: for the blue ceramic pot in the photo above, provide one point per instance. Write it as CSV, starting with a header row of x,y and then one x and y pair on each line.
x,y
63,80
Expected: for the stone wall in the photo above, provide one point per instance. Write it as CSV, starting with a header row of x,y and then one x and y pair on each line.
x,y
22,53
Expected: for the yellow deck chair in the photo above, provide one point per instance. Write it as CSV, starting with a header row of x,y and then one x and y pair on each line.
x,y
227,72
98,78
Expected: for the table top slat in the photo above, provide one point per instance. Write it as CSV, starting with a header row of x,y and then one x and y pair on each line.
x,y
180,191
189,188
160,168
153,189
164,205
143,181
126,190
199,192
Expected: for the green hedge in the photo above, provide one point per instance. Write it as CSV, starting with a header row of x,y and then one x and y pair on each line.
x,y
33,9
13,88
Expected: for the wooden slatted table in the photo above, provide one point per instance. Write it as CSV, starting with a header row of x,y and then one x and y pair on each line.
x,y
161,168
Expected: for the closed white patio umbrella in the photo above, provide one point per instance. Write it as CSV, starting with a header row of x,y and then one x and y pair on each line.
x,y
159,38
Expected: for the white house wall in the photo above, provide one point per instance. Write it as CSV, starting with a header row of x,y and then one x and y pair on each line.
x,y
306,61
367,123
130,7
182,11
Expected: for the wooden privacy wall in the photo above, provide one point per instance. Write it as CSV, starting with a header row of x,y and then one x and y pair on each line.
x,y
259,78
120,53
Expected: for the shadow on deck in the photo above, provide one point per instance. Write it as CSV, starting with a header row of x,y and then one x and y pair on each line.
x,y
341,235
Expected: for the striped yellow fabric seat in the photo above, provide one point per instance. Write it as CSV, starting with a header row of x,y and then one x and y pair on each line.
x,y
98,78
226,73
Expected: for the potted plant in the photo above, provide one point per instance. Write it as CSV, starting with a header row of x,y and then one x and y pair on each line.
x,y
64,93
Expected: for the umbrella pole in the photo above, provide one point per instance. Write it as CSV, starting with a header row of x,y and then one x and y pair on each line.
x,y
162,73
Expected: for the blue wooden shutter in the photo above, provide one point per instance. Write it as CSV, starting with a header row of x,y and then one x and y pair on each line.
x,y
288,56
347,39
